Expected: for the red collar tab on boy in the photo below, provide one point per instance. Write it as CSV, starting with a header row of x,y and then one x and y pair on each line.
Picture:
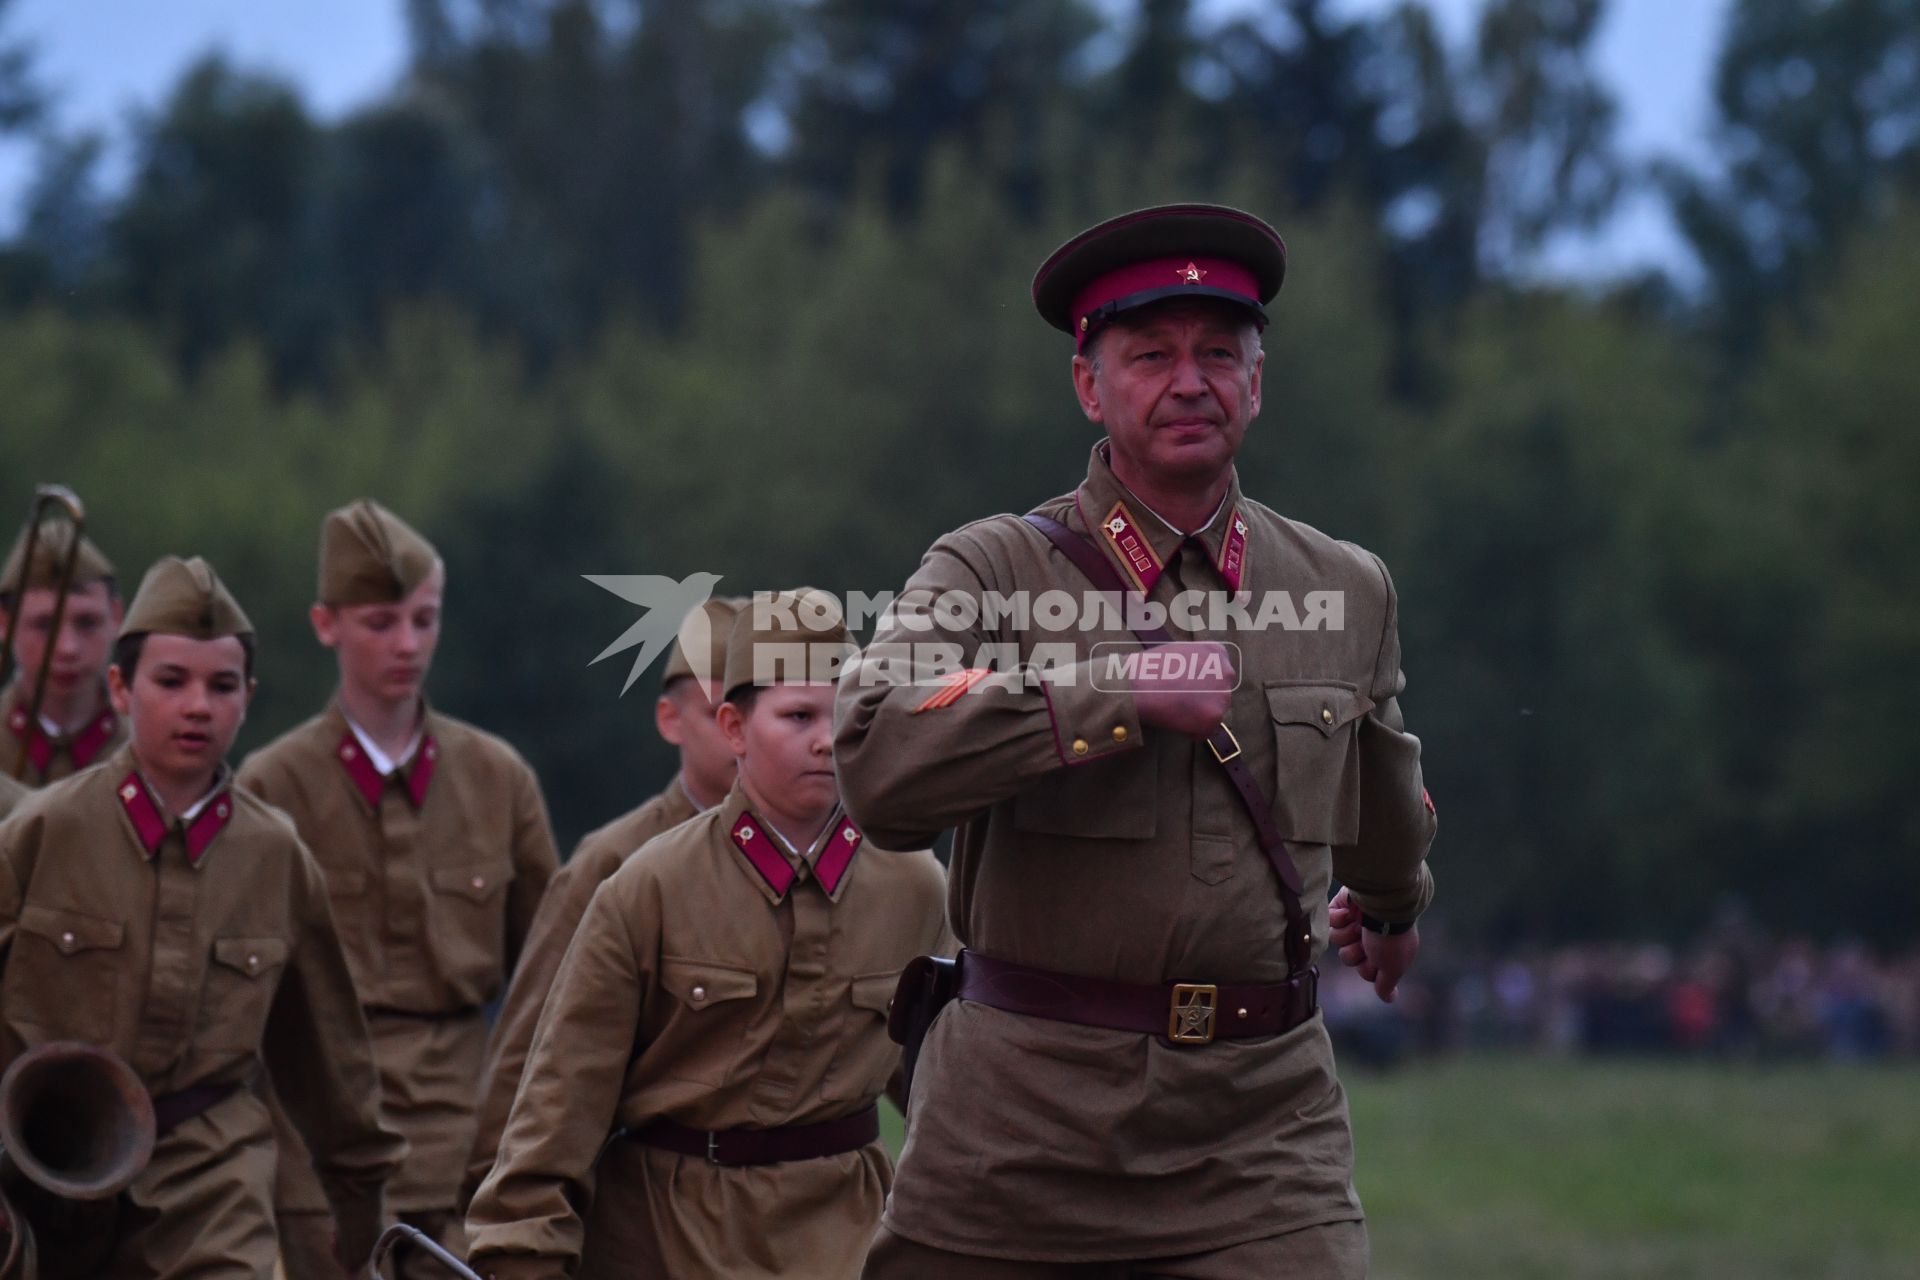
x,y
150,826
371,782
830,866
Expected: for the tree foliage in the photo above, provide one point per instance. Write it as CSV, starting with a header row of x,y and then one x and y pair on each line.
x,y
607,286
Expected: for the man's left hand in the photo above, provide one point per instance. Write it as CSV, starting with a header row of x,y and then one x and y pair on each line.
x,y
1382,959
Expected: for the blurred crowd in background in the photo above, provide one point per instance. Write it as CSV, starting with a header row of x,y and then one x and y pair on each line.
x,y
1734,992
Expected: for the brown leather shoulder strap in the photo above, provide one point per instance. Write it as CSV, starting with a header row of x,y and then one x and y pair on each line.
x,y
1221,742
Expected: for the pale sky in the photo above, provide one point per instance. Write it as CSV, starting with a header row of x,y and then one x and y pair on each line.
x,y
108,59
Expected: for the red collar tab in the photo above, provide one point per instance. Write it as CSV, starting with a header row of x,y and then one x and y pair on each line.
x,y
1161,278
84,747
151,827
420,776
1136,556
39,746
371,782
750,834
831,866
1233,551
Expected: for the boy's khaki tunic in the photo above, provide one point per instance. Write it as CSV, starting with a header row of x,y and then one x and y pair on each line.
x,y
193,952
598,856
1088,847
693,991
51,757
434,880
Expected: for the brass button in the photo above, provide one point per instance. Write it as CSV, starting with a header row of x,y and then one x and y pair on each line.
x,y
1241,1012
1119,733
66,939
1326,714
479,882
699,994
253,962
1079,746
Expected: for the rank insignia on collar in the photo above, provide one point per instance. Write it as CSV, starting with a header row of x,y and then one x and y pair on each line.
x,y
762,856
1233,553
1132,549
832,863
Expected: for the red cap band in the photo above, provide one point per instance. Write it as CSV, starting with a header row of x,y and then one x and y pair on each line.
x,y
1213,275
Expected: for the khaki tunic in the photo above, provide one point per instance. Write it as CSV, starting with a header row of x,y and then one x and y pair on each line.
x,y
598,856
194,953
433,901
53,757
11,794
1088,847
694,991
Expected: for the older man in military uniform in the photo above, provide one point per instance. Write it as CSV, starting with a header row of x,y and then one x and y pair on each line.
x,y
434,840
75,724
1134,1079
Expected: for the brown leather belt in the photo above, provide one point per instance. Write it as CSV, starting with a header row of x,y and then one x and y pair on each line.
x,y
764,1146
172,1110
1186,1013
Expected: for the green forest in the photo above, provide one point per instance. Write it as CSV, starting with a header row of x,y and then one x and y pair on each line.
x,y
658,286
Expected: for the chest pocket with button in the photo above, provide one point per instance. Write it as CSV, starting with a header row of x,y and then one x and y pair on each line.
x,y
241,983
467,927
713,1007
1317,760
64,974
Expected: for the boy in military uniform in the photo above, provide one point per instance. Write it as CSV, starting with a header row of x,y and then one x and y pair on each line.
x,y
721,1014
1142,861
151,907
684,716
434,841
77,724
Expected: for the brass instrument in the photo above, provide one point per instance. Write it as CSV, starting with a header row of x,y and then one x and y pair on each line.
x,y
76,1128
60,498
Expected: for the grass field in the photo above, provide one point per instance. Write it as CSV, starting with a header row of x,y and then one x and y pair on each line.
x,y
1497,1168
1516,1169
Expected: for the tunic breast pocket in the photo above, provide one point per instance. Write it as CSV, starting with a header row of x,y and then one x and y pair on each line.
x,y
1316,759
467,928
241,983
64,975
713,1007
864,1059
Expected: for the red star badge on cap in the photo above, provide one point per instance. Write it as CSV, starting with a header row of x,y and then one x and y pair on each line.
x,y
1191,274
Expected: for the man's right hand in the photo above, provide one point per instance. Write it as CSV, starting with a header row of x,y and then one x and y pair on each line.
x,y
1191,704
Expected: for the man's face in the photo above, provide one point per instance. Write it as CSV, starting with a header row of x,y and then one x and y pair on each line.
x,y
385,649
185,704
785,746
80,652
1175,387
685,717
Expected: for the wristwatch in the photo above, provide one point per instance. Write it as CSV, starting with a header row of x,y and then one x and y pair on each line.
x,y
1373,924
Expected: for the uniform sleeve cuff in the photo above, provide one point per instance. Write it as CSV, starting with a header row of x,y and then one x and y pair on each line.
x,y
1089,723
1399,908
